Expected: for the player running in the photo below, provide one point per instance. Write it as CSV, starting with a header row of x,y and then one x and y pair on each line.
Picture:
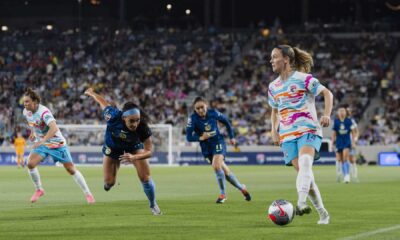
x,y
127,139
294,120
48,140
202,127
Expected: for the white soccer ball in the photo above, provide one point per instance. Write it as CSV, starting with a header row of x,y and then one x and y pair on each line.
x,y
281,212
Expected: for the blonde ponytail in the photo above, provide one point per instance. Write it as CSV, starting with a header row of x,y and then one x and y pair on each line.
x,y
302,60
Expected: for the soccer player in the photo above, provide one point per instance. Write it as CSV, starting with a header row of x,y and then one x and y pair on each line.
x,y
353,152
343,136
19,145
202,127
127,139
48,140
295,123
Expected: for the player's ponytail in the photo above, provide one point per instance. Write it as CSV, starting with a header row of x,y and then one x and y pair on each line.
x,y
299,59
32,94
199,99
302,60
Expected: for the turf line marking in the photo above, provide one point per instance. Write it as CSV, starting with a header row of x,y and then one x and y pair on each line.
x,y
368,234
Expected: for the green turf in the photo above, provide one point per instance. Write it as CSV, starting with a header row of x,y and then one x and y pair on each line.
x,y
186,195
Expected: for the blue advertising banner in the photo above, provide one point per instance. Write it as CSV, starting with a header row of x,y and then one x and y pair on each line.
x,y
185,158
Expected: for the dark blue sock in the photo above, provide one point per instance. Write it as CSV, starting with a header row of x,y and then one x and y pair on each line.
x,y
221,180
234,181
149,189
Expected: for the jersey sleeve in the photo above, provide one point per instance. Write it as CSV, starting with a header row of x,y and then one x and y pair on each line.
x,y
191,135
223,119
47,117
313,85
144,132
110,113
271,99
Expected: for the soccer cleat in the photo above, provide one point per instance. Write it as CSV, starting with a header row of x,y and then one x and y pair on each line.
x,y
323,217
38,193
221,199
346,178
245,193
90,199
156,210
303,209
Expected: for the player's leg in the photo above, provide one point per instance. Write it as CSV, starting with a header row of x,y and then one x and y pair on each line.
x,y
217,162
18,155
110,169
346,165
353,165
35,157
232,179
143,171
339,165
63,156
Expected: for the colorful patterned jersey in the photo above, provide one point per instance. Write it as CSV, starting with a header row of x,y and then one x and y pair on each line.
x,y
295,101
39,122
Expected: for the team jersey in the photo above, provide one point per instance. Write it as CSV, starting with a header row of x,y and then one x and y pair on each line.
x,y
196,126
39,122
118,136
19,143
343,130
295,101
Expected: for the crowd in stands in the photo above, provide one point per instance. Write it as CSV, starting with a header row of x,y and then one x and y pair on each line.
x,y
162,71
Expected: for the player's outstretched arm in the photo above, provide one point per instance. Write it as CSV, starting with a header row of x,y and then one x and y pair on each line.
x,y
97,97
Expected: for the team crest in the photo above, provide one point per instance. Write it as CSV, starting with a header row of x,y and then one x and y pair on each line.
x,y
122,135
293,88
207,127
108,150
107,116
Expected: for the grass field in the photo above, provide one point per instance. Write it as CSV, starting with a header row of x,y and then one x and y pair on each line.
x,y
186,195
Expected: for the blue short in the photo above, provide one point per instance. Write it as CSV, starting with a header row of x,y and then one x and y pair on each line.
x,y
291,148
60,154
114,153
209,149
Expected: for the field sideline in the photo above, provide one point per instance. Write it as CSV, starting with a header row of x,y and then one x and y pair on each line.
x,y
186,195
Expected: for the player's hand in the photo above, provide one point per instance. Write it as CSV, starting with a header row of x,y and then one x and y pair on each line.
x,y
233,141
325,121
205,136
89,92
127,158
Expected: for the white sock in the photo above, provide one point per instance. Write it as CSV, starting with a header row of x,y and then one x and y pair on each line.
x,y
304,178
315,197
35,176
338,169
80,180
353,170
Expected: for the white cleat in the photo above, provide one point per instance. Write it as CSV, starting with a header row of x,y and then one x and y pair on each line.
x,y
324,217
346,178
156,210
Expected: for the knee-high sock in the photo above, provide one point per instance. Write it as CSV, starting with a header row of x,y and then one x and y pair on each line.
x,y
149,189
80,180
234,181
35,176
338,168
304,178
315,196
353,170
221,180
345,167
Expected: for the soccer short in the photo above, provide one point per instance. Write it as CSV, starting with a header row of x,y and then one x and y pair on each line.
x,y
209,149
114,153
19,151
339,149
60,154
291,148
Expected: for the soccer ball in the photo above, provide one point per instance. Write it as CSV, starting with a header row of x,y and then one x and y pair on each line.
x,y
281,212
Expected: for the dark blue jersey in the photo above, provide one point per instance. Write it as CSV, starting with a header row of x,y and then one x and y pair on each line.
x,y
118,136
343,132
196,126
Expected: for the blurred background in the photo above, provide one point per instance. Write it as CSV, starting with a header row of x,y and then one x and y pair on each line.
x,y
162,54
